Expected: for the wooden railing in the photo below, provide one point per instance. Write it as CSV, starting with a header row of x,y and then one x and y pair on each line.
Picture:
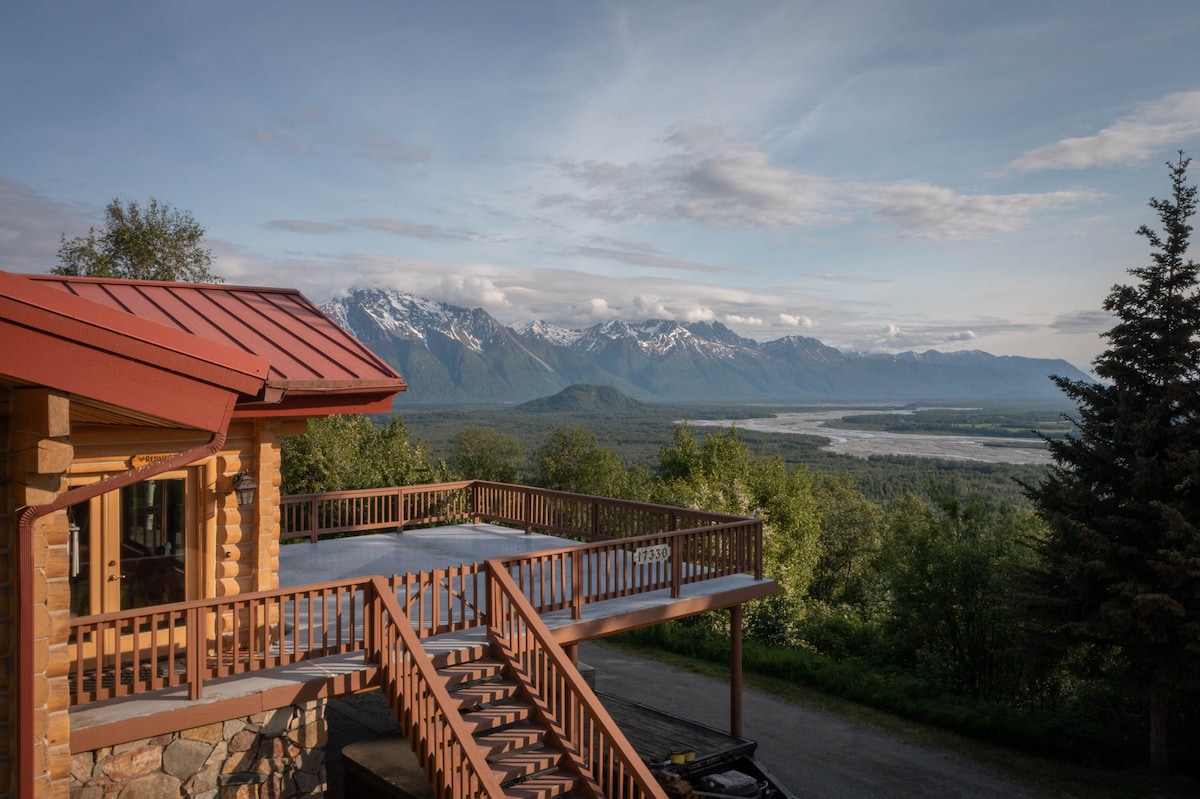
x,y
555,579
313,516
187,643
576,516
454,765
578,724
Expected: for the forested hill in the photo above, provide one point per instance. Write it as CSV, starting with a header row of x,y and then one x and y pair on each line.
x,y
458,356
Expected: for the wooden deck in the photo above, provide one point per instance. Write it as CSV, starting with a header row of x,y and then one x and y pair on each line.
x,y
153,712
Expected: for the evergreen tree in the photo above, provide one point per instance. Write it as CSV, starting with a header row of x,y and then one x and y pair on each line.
x,y
1122,558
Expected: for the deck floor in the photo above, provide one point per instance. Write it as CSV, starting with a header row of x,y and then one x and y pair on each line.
x,y
382,554
422,549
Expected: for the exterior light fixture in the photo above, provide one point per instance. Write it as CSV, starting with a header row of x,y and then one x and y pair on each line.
x,y
245,488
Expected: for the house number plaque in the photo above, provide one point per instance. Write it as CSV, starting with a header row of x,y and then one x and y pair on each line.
x,y
653,554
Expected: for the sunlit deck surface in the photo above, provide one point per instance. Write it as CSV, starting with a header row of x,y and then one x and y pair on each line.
x,y
385,554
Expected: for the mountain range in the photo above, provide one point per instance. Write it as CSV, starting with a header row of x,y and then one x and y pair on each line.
x,y
458,356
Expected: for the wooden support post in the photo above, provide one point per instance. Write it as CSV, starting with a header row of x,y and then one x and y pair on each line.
x,y
735,670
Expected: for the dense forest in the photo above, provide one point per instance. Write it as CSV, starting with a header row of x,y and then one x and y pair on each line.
x,y
901,578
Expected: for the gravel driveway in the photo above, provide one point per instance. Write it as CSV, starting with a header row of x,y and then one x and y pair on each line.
x,y
812,752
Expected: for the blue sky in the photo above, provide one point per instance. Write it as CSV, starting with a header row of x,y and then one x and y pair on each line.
x,y
878,175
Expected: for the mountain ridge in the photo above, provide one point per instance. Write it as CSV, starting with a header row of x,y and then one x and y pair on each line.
x,y
450,355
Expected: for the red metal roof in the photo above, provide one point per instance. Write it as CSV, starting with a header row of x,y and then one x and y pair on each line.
x,y
315,366
133,367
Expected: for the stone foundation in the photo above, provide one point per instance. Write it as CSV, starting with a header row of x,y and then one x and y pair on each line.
x,y
278,754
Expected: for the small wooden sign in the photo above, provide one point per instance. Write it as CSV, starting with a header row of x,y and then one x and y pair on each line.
x,y
138,461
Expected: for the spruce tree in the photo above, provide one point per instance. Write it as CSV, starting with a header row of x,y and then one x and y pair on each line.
x,y
1122,499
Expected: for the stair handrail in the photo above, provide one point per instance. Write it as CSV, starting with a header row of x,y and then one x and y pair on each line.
x,y
451,750
503,592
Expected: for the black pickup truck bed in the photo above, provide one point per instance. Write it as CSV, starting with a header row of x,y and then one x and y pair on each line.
x,y
657,735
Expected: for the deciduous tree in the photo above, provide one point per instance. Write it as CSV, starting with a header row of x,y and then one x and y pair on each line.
x,y
573,460
1123,496
154,242
485,453
345,452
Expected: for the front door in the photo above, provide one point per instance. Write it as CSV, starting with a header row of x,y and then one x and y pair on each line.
x,y
134,547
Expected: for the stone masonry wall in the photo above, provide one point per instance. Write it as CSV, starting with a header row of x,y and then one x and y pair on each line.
x,y
278,754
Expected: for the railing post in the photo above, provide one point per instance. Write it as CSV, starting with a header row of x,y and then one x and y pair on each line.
x,y
196,653
528,510
676,568
312,519
372,608
758,550
577,591
595,521
400,519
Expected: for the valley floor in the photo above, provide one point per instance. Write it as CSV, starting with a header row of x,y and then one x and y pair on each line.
x,y
865,443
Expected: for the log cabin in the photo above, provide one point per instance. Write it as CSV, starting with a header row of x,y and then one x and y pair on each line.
x,y
145,641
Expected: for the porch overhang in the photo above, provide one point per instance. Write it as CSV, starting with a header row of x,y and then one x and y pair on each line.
x,y
315,368
118,363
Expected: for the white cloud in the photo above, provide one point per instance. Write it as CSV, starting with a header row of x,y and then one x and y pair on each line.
x,y
1152,127
924,211
653,260
722,184
743,189
893,337
700,314
473,292
794,321
1097,321
650,309
31,224
706,178
414,230
303,226
735,319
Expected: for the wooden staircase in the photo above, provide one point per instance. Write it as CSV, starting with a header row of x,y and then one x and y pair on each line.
x,y
519,744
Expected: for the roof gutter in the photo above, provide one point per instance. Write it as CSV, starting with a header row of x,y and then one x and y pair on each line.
x,y
28,516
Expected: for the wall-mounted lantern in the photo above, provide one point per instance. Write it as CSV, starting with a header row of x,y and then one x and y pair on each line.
x,y
245,488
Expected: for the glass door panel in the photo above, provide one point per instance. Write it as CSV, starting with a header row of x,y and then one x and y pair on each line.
x,y
152,543
129,548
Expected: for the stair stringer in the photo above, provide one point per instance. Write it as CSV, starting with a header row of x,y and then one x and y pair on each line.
x,y
453,762
551,680
585,782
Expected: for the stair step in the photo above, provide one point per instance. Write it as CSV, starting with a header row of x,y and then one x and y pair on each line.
x,y
484,693
509,739
479,671
454,657
472,671
543,786
489,718
524,764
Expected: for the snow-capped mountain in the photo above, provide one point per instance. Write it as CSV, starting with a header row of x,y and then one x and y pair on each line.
x,y
454,355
